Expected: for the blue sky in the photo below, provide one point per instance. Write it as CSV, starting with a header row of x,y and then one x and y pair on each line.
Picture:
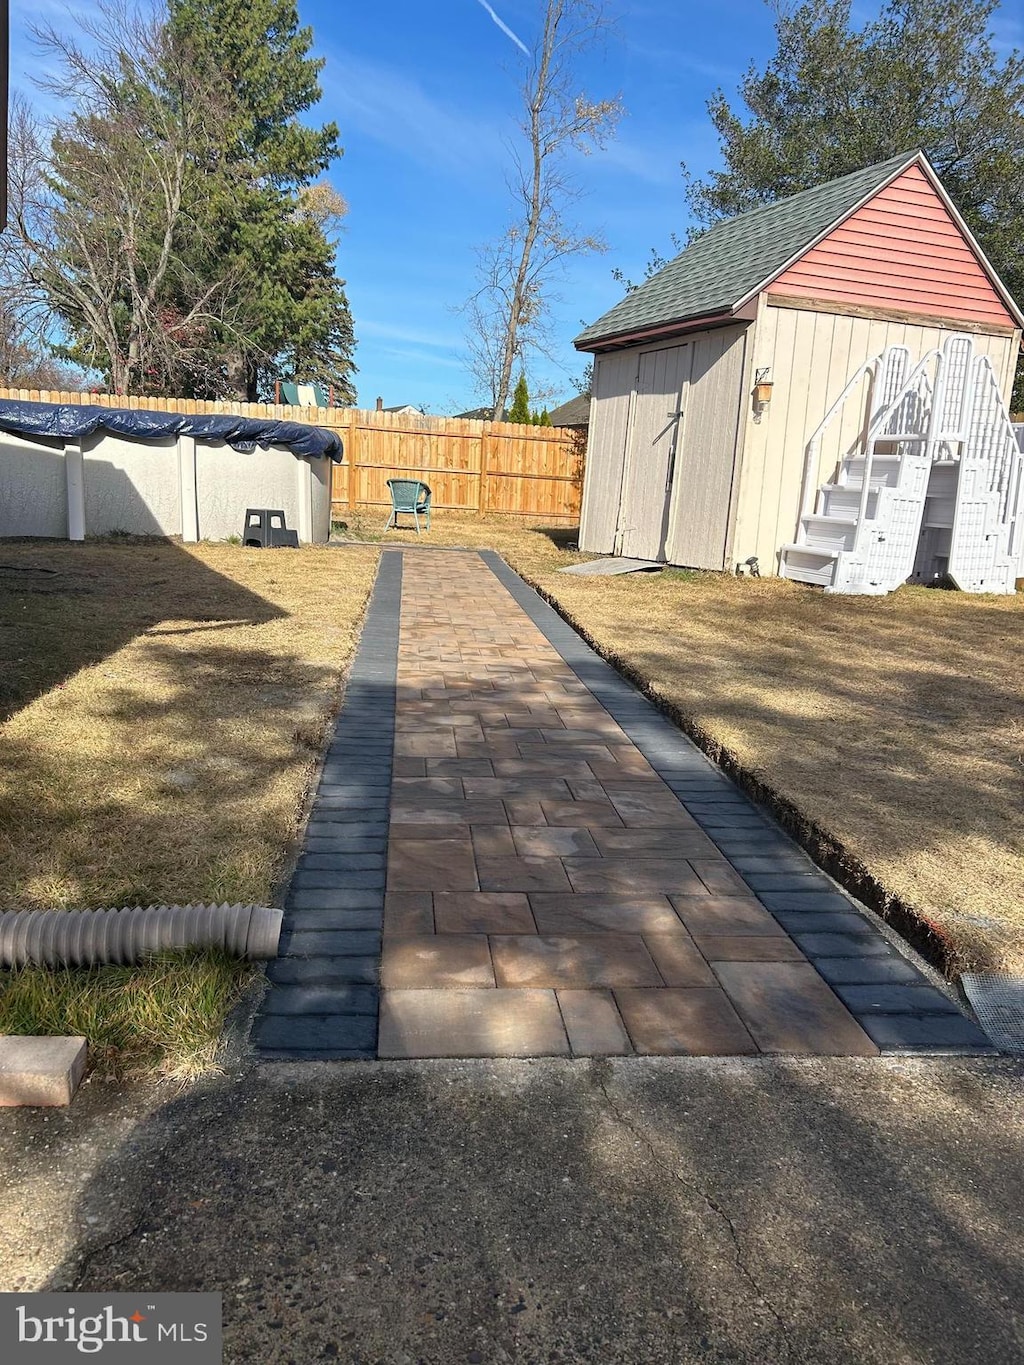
x,y
426,99
425,95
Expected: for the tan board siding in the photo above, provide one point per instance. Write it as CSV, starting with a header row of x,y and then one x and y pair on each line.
x,y
614,383
706,453
811,356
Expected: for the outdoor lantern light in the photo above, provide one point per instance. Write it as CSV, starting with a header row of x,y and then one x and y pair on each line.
x,y
762,388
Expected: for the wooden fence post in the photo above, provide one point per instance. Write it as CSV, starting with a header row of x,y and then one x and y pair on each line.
x,y
482,490
352,449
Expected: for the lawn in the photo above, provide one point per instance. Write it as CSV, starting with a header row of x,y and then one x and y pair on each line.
x,y
892,727
161,712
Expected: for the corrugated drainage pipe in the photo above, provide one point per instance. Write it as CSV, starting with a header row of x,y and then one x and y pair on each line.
x,y
85,938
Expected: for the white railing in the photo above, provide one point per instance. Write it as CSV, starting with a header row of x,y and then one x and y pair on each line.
x,y
887,371
809,487
876,431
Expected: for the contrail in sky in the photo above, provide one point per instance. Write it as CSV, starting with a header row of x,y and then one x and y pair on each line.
x,y
505,28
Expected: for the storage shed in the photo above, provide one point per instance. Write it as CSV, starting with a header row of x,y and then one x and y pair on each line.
x,y
777,358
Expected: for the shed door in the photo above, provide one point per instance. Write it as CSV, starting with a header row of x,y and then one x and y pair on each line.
x,y
650,457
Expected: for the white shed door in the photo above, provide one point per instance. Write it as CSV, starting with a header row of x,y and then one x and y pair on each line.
x,y
650,457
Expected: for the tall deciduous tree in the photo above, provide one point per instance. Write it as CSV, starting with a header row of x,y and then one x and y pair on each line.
x,y
101,224
507,313
836,97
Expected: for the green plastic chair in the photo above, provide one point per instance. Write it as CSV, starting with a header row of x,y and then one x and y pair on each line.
x,y
409,497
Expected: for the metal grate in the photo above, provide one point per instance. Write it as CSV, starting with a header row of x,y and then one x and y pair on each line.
x,y
998,1001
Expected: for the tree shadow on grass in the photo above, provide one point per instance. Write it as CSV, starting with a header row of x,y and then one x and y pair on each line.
x,y
561,537
190,793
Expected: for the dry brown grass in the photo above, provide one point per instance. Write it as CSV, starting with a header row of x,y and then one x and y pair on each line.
x,y
162,710
894,723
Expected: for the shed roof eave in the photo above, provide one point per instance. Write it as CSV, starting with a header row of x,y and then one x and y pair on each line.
x,y
694,322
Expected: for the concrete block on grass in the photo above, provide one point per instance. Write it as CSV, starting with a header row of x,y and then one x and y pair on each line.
x,y
40,1071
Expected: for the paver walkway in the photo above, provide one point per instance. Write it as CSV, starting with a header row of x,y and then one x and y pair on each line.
x,y
566,874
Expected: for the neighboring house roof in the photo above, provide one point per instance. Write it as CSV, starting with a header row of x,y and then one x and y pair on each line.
x,y
404,407
478,414
733,261
575,413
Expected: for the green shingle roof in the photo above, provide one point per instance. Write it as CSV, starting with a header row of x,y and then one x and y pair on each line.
x,y
722,267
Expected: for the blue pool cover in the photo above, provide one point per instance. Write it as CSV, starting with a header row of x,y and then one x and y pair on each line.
x,y
68,421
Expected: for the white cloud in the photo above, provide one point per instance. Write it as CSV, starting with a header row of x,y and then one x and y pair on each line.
x,y
422,357
656,165
678,61
504,27
413,336
396,111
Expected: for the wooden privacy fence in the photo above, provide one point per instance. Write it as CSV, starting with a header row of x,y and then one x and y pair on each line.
x,y
471,466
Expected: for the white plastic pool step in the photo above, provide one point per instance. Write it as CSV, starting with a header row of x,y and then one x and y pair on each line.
x,y
809,564
829,533
944,480
843,499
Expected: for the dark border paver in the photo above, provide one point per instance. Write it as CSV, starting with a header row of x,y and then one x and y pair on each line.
x,y
323,998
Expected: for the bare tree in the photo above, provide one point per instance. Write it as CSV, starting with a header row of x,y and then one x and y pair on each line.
x,y
24,366
507,313
101,241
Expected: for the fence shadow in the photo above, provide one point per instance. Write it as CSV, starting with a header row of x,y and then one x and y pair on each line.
x,y
66,606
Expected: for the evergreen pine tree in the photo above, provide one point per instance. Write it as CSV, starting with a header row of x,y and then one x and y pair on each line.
x,y
520,409
266,217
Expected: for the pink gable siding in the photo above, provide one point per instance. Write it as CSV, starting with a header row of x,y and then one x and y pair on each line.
x,y
902,250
